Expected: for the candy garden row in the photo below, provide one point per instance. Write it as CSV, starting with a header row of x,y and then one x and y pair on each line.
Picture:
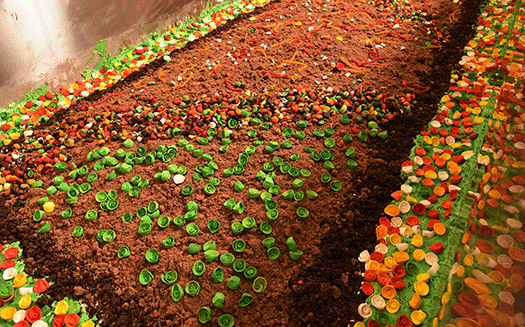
x,y
453,234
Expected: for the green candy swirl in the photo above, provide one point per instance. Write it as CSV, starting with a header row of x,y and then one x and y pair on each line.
x,y
179,221
144,228
77,232
239,265
297,183
169,278
145,277
305,173
192,288
290,243
226,320
217,275
277,161
311,194
266,228
227,258
213,226
298,196
239,186
209,189
274,190
268,242
109,236
329,143
250,272
249,223
326,155
268,167
345,119
295,157
211,255
238,208
187,190
100,235
192,229
287,144
210,245
336,185
270,204
302,212
253,193
325,178
259,284
246,299
350,153
204,315
351,164
347,138
239,245
66,214
273,253
328,165
285,167
191,215
168,242
229,204
218,300
152,256
296,254
91,215
362,136
176,292
38,215
193,248
237,228
46,227
93,177
164,221
299,135
127,217
233,283
315,156
288,195
294,172
272,214
250,149
198,268
318,133
123,252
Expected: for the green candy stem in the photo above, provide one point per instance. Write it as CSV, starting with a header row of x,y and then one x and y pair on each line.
x,y
217,275
204,315
273,253
226,320
246,299
259,284
218,300
176,292
123,252
145,277
290,243
152,256
192,288
199,268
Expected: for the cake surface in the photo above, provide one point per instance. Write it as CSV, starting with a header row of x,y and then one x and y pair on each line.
x,y
297,115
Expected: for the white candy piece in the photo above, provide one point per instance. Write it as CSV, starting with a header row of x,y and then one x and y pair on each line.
x,y
505,241
9,273
378,302
487,262
396,221
481,276
431,258
364,256
505,260
381,248
25,290
39,323
506,297
19,316
404,207
179,179
402,246
514,223
364,310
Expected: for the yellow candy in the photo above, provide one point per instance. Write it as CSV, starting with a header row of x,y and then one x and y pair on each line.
x,y
390,262
421,288
49,207
468,260
19,280
445,298
61,308
461,271
400,256
25,302
423,277
388,292
91,324
440,228
7,313
411,199
417,241
392,306
395,239
431,174
415,302
478,120
419,255
418,317
359,324
445,99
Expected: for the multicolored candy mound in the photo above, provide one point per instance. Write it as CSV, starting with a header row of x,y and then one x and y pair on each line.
x,y
232,174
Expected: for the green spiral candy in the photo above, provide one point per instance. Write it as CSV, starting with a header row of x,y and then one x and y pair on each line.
x,y
192,229
199,268
168,242
239,265
259,284
328,165
246,299
350,153
298,196
179,221
302,212
218,300
112,204
238,169
192,206
144,228
311,194
191,215
134,192
273,253
176,292
347,138
170,277
253,193
268,182
66,214
238,208
193,248
266,196
136,180
288,195
226,320
217,275
351,164
383,135
126,187
72,200
345,119
318,133
290,243
266,228
315,156
233,282
210,245
204,315
77,232
109,236
145,277
211,255
287,144
51,190
237,228
45,228
272,214
239,186
91,215
71,192
152,256
123,252
192,288
268,242
250,272
249,222
164,221
268,167
111,176
305,173
250,149
325,178
274,190
229,204
296,254
294,172
213,226
209,189
277,161
336,185
227,258
285,167
239,245
362,136
329,143
326,155
295,157
187,190
299,135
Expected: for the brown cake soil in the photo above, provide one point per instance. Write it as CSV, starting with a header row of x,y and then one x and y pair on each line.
x,y
321,289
